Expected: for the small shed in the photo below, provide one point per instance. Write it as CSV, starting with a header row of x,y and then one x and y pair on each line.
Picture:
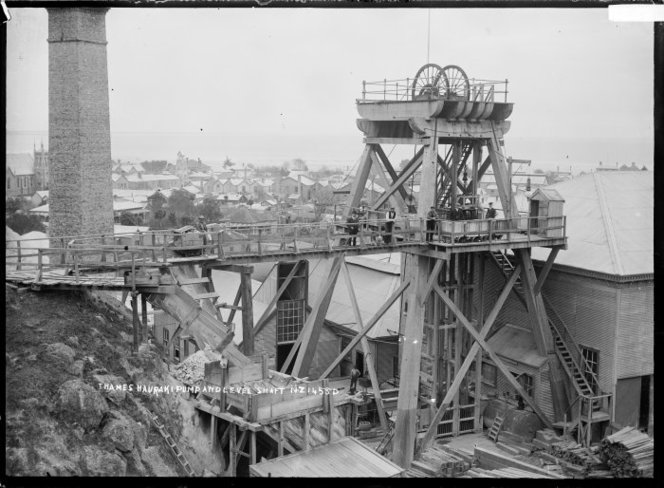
x,y
343,458
546,212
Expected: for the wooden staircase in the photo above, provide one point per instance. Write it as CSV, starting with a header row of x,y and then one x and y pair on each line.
x,y
175,449
584,380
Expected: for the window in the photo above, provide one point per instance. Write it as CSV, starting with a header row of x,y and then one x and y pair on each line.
x,y
290,319
395,366
186,348
526,381
176,350
166,335
591,365
489,374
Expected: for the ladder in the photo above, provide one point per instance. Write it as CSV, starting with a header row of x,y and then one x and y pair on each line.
x,y
385,441
174,447
495,427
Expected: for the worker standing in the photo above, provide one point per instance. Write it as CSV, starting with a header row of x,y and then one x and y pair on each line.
x,y
352,223
389,225
491,212
201,226
354,375
431,223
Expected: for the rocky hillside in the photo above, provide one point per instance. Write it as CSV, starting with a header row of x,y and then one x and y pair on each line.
x,y
64,351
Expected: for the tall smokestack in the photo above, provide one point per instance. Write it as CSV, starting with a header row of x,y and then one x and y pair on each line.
x,y
79,139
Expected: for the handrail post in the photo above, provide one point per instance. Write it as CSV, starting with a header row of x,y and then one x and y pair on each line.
x,y
260,248
220,246
18,255
133,274
364,90
75,266
39,265
422,230
329,237
63,259
295,236
490,232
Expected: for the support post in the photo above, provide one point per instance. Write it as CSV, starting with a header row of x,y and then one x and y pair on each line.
x,y
307,426
253,447
232,453
368,356
213,431
144,311
427,195
280,444
407,403
247,313
136,323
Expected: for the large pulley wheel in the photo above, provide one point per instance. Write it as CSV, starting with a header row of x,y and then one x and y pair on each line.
x,y
456,83
428,82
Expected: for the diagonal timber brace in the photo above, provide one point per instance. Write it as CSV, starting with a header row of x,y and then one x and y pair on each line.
x,y
470,357
494,357
312,327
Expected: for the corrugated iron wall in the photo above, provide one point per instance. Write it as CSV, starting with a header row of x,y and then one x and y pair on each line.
x,y
635,334
589,309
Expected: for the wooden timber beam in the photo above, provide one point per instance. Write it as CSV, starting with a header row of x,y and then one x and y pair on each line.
x,y
235,268
374,320
427,195
545,271
409,369
406,173
360,180
266,313
447,170
368,356
542,334
433,277
390,170
312,327
475,348
247,312
399,200
234,307
495,358
502,178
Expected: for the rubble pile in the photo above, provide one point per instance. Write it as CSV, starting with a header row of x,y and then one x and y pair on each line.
x,y
191,371
628,453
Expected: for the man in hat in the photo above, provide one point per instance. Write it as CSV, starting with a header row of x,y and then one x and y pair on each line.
x,y
201,226
352,228
432,215
491,212
389,225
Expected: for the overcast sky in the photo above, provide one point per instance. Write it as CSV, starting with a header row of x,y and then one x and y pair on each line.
x,y
266,85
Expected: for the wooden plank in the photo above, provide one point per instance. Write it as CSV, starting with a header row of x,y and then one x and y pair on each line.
x,y
203,296
312,327
374,320
492,459
368,356
193,281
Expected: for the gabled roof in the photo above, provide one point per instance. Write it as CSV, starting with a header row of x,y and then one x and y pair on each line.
x,y
21,164
609,223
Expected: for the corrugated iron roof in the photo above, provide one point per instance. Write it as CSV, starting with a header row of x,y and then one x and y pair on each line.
x,y
373,282
343,458
609,223
517,344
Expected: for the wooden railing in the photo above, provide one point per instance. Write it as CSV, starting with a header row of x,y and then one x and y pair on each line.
x,y
478,230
